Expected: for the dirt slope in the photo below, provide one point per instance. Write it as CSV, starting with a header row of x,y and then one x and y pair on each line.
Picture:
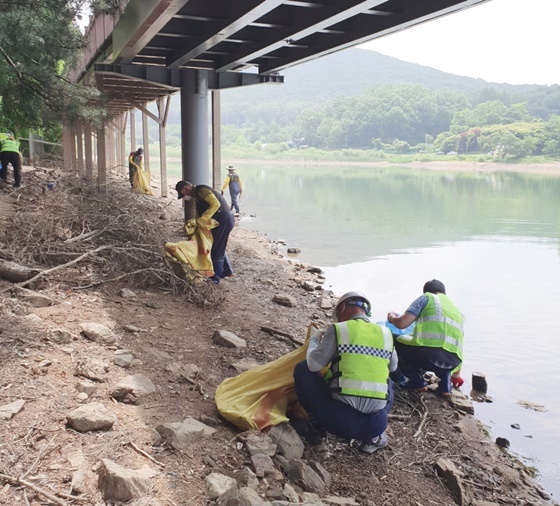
x,y
33,367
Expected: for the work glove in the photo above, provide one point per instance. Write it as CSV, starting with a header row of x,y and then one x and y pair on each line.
x,y
457,381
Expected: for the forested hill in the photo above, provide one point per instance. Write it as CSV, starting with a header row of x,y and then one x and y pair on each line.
x,y
344,73
348,72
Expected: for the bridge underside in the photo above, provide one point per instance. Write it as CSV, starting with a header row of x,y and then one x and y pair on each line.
x,y
160,47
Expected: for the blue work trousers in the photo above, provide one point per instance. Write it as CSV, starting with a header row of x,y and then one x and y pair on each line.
x,y
220,236
234,194
335,416
415,360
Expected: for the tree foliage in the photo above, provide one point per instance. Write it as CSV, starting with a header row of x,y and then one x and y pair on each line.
x,y
39,42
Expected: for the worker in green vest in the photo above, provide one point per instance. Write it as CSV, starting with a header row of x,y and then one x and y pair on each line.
x,y
353,398
9,154
436,344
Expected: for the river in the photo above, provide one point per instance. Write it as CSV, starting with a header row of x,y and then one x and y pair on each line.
x,y
492,238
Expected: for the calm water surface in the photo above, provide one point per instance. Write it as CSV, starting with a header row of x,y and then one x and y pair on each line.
x,y
493,239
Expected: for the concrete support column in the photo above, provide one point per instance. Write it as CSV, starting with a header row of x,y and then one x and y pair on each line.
x,y
162,146
72,134
132,131
67,147
80,152
216,141
122,145
194,127
88,153
145,140
101,160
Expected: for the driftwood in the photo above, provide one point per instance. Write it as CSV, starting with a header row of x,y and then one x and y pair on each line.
x,y
15,272
292,339
145,454
32,486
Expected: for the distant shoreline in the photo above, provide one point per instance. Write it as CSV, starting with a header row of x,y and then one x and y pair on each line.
x,y
549,169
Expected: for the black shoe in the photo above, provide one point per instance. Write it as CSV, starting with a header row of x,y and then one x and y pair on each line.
x,y
314,434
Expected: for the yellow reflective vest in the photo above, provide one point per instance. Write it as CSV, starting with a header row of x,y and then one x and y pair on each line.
x,y
440,325
9,144
361,367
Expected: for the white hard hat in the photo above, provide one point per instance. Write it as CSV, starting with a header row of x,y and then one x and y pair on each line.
x,y
353,298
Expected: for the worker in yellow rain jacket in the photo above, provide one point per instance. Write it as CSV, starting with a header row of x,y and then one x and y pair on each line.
x,y
353,398
436,344
10,154
135,164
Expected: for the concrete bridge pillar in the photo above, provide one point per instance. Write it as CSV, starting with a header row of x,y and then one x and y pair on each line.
x,y
194,127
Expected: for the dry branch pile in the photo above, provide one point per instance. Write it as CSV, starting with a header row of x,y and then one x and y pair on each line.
x,y
82,239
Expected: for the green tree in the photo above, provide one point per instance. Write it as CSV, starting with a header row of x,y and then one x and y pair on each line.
x,y
39,42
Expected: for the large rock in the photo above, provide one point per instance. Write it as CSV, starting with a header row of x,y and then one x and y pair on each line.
x,y
92,368
94,416
36,299
98,332
258,442
288,441
118,483
218,484
228,339
284,300
133,389
8,411
181,434
302,475
454,480
241,497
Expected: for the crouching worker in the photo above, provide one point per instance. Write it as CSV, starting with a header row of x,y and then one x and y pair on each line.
x,y
437,342
353,398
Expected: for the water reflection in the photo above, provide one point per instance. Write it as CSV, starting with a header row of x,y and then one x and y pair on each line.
x,y
492,238
363,213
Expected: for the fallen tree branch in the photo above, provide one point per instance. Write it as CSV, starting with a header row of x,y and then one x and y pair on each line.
x,y
424,418
60,267
44,452
272,331
147,455
32,486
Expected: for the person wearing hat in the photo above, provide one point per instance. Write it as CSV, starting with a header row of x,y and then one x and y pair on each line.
x,y
436,344
9,153
353,398
210,204
235,187
135,163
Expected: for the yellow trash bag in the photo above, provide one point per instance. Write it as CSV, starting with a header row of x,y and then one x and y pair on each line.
x,y
261,397
141,182
193,254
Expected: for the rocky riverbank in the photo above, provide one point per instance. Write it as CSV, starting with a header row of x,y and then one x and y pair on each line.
x,y
107,387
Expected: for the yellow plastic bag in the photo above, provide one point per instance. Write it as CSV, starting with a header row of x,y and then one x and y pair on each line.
x,y
141,182
261,397
194,254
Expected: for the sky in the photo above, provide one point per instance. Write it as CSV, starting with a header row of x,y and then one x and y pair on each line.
x,y
500,41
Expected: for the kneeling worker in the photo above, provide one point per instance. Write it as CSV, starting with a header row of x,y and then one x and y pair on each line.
x,y
437,342
353,399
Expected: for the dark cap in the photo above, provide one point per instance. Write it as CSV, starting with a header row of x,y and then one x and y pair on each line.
x,y
179,188
434,286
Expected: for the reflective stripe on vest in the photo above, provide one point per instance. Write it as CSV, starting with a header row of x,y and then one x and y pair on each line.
x,y
362,365
440,325
9,145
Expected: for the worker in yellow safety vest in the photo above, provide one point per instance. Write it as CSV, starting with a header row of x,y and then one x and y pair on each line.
x,y
235,188
353,398
436,344
10,154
